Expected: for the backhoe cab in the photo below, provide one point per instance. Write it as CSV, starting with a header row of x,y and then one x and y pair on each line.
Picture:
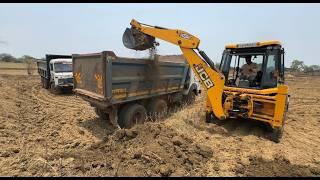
x,y
253,65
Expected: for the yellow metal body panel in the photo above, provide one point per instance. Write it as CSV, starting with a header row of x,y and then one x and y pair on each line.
x,y
255,44
214,92
273,105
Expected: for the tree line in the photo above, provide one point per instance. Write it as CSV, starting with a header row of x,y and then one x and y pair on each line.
x,y
299,66
5,57
296,65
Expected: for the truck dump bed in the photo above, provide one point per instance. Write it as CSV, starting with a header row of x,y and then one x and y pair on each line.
x,y
109,79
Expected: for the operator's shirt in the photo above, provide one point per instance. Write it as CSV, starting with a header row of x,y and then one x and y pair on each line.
x,y
246,69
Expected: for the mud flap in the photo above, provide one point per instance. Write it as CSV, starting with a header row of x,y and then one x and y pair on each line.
x,y
136,40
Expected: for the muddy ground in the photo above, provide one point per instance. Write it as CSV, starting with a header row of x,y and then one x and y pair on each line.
x,y
42,134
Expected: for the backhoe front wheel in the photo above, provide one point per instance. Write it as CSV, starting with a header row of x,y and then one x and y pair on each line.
x,y
277,133
211,118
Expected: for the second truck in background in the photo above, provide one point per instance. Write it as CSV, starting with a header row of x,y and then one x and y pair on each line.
x,y
126,90
56,72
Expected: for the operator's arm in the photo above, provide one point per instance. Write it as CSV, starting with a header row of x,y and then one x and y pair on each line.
x,y
254,68
210,77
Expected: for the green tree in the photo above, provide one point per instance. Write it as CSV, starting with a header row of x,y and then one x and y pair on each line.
x,y
29,61
307,69
315,67
297,65
7,58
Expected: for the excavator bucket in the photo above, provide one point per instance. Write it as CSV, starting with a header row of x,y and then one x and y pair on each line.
x,y
136,40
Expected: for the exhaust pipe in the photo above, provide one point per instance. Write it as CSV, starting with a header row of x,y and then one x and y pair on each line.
x,y
136,40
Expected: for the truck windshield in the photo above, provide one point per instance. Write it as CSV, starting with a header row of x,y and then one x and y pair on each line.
x,y
63,67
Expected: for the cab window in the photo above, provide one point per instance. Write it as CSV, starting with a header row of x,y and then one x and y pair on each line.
x,y
270,77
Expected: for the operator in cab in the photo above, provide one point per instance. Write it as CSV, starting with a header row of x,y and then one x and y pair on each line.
x,y
249,70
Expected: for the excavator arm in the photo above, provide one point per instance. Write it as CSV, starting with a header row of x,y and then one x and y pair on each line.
x,y
142,36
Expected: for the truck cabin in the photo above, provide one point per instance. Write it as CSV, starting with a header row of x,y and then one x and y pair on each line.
x,y
258,65
61,65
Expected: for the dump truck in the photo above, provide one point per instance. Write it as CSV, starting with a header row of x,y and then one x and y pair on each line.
x,y
125,91
56,72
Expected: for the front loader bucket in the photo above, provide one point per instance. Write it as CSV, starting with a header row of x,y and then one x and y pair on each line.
x,y
136,40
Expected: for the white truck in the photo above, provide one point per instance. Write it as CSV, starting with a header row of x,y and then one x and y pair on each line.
x,y
56,73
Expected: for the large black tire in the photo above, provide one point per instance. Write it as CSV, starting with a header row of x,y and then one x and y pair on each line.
x,y
157,108
42,82
122,112
132,114
190,98
45,83
277,133
55,90
211,118
102,115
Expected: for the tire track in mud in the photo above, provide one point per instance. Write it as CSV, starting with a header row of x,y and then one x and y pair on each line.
x,y
27,126
40,120
45,98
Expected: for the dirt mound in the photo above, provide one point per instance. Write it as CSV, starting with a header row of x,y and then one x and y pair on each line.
x,y
159,151
280,166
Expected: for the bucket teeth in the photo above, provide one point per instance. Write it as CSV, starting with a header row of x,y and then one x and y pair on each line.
x,y
136,40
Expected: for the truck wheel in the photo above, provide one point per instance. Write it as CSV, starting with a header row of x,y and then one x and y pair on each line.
x,y
45,83
131,115
55,90
190,98
42,82
102,115
157,108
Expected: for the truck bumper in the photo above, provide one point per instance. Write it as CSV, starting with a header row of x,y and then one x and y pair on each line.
x,y
64,86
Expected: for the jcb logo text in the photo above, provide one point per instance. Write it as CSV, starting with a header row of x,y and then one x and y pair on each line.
x,y
203,76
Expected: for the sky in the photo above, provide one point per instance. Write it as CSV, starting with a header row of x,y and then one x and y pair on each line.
x,y
39,29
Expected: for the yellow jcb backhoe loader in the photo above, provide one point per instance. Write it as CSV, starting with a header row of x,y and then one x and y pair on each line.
x,y
260,95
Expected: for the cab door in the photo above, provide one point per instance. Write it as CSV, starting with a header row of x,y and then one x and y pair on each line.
x,y
272,68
